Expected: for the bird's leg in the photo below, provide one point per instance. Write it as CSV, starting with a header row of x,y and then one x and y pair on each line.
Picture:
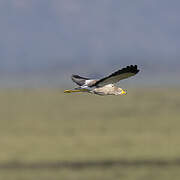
x,y
76,90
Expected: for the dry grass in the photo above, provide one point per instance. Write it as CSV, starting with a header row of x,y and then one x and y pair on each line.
x,y
47,126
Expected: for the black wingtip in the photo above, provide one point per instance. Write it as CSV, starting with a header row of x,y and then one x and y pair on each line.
x,y
75,76
131,68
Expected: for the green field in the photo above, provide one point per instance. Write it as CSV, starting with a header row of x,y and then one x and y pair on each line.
x,y
45,134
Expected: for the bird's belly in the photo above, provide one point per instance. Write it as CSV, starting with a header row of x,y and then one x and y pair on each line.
x,y
102,91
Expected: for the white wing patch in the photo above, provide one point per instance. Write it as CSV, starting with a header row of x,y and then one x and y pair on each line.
x,y
88,83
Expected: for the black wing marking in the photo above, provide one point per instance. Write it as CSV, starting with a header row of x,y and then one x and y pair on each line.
x,y
118,75
79,80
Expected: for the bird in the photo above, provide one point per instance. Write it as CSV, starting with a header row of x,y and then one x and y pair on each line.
x,y
104,86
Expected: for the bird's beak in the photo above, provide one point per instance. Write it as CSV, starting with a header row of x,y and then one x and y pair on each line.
x,y
123,92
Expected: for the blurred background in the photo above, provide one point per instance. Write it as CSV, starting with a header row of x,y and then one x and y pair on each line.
x,y
48,135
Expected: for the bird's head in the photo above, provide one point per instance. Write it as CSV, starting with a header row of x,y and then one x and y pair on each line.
x,y
121,92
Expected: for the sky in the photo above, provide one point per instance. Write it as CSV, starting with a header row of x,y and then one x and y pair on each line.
x,y
50,39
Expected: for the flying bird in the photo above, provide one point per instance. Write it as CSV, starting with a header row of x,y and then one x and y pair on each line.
x,y
106,85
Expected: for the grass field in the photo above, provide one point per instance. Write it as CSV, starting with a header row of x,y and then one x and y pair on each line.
x,y
45,134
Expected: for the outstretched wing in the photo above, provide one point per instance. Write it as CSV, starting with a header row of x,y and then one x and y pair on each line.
x,y
118,75
79,80
82,81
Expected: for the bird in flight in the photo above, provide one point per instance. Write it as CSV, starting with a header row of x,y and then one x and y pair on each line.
x,y
106,85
